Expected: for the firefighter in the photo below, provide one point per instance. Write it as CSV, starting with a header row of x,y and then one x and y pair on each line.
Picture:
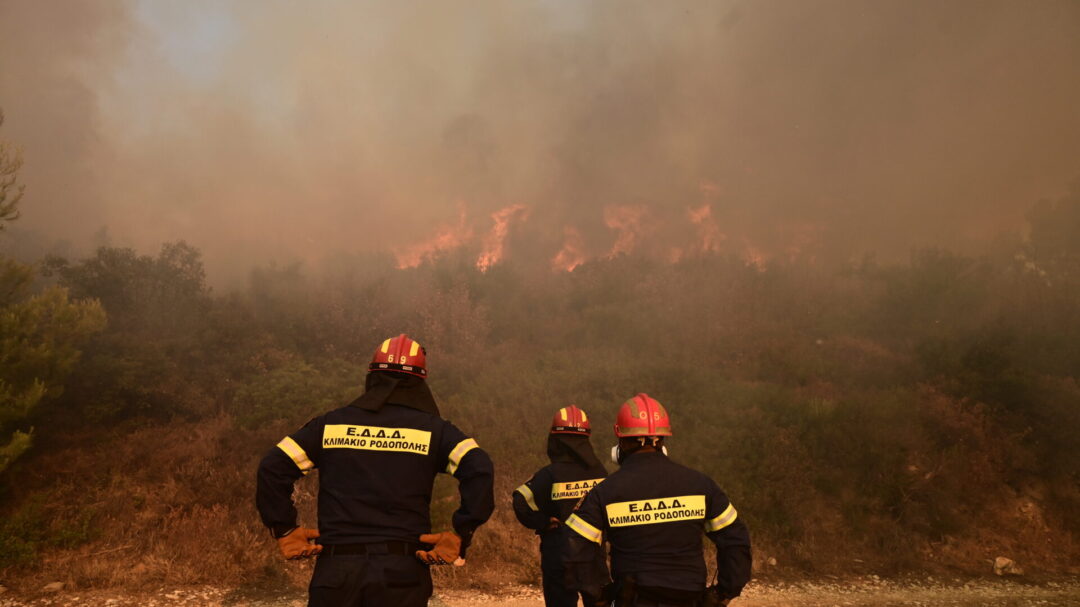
x,y
652,512
544,501
377,460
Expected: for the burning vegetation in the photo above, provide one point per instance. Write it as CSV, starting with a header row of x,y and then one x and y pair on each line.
x,y
632,231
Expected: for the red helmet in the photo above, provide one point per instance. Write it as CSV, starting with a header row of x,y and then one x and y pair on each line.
x,y
571,420
642,416
402,354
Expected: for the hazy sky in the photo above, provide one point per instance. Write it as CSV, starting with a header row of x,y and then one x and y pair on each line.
x,y
266,130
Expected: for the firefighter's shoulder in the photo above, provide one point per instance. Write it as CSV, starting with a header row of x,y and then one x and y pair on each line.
x,y
455,446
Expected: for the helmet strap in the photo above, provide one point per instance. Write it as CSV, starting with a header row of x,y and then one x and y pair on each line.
x,y
627,446
656,442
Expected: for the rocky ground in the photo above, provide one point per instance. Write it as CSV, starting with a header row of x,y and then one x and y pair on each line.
x,y
869,591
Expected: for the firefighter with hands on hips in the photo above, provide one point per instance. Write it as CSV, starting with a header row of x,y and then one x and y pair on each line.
x,y
377,460
545,501
652,512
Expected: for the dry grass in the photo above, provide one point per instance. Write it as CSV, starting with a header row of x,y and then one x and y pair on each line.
x,y
173,505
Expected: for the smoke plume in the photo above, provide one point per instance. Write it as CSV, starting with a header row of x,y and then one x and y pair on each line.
x,y
264,131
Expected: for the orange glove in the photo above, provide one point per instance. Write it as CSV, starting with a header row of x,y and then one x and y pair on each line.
x,y
446,549
297,544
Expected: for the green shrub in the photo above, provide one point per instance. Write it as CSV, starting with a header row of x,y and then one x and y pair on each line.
x,y
296,390
35,527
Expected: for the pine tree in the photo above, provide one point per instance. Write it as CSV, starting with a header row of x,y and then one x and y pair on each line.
x,y
10,190
39,333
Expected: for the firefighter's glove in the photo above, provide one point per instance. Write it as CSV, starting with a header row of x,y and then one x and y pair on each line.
x,y
445,549
299,544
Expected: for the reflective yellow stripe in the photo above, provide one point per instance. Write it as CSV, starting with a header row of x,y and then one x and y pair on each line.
x,y
385,346
563,413
584,418
726,518
414,349
459,452
296,454
528,495
584,529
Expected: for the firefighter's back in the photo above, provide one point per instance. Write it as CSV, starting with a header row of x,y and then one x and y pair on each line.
x,y
377,472
653,513
655,510
377,459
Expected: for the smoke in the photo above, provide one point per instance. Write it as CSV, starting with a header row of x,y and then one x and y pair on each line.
x,y
48,91
266,131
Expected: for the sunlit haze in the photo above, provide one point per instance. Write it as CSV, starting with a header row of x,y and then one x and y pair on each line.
x,y
564,131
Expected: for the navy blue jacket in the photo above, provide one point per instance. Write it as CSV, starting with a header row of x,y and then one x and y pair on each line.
x,y
653,511
376,474
553,492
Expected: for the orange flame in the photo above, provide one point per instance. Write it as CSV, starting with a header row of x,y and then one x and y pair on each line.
x,y
572,254
495,240
711,237
626,220
447,237
754,257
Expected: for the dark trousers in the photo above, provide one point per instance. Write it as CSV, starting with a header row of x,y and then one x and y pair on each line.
x,y
554,573
369,580
641,601
629,594
555,592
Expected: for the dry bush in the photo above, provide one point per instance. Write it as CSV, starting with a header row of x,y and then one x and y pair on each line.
x,y
174,505
843,413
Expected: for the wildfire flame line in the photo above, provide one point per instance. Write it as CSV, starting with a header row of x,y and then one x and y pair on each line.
x,y
709,232
630,224
495,241
626,220
572,253
447,238
453,236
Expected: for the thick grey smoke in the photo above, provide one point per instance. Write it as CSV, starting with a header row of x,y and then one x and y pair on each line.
x,y
278,130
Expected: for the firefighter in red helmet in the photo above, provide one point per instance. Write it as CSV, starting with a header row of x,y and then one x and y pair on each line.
x,y
545,501
652,512
377,460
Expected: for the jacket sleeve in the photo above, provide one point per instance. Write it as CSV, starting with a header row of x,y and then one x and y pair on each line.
x,y
295,456
463,458
526,506
583,556
732,539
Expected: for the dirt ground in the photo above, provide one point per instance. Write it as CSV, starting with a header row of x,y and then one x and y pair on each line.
x,y
869,592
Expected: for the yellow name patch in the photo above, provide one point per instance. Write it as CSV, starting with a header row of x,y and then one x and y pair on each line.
x,y
573,490
374,438
663,510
